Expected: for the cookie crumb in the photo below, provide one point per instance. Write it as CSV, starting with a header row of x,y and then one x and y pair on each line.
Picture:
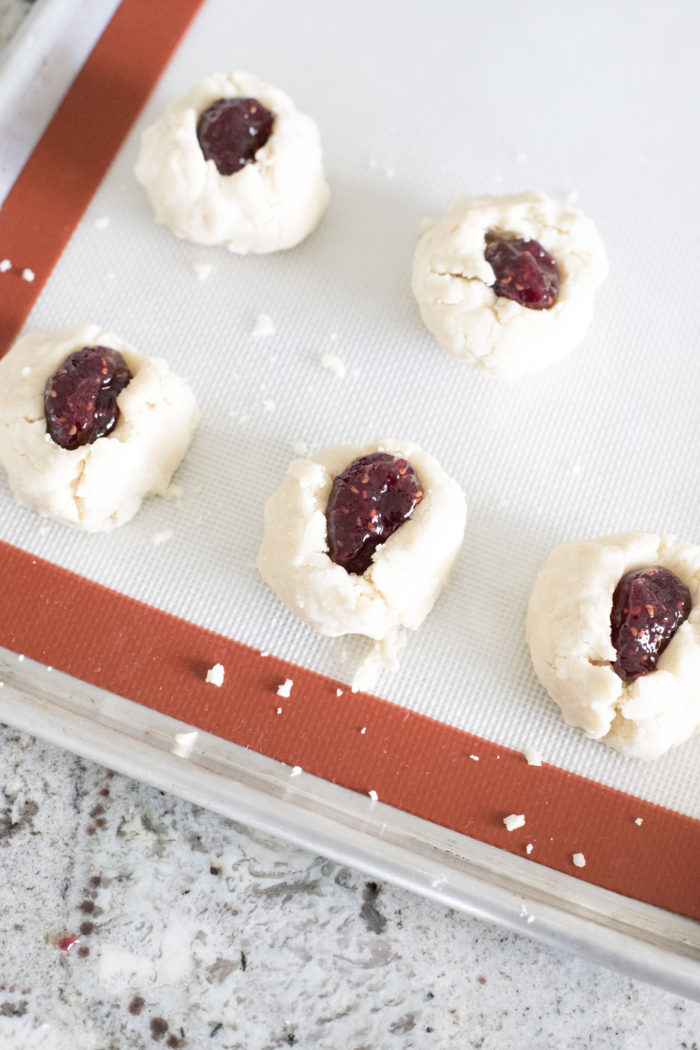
x,y
162,537
215,675
474,758
102,223
638,821
300,448
28,275
579,860
5,265
203,270
528,848
513,821
296,771
332,363
279,710
285,689
184,742
264,652
20,657
373,795
339,692
264,325
363,730
532,756
26,371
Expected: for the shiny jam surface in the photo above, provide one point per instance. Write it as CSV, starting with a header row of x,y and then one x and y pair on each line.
x,y
524,272
80,399
368,502
648,607
231,130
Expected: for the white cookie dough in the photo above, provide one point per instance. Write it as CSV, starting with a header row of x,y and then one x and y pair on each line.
x,y
407,573
568,631
268,205
452,282
98,486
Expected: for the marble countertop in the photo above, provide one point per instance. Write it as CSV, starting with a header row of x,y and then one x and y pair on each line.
x,y
130,918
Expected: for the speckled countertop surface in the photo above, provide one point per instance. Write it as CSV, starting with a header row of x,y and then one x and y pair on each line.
x,y
131,919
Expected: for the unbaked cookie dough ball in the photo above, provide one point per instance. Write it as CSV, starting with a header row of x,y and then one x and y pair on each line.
x,y
88,426
507,283
234,162
613,627
361,540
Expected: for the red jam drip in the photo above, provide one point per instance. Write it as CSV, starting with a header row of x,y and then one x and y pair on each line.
x,y
231,131
80,399
648,607
524,272
368,502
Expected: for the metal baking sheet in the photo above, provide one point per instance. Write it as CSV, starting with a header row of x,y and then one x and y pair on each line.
x,y
418,110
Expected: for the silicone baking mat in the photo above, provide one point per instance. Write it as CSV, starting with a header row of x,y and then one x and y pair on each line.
x,y
416,105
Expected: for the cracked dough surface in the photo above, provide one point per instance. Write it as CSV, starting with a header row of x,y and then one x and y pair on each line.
x,y
98,486
568,631
268,205
407,573
452,282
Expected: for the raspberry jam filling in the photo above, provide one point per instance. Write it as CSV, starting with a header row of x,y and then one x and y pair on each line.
x,y
80,399
524,272
648,607
231,130
369,501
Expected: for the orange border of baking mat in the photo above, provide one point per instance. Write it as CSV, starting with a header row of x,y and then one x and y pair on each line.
x,y
415,763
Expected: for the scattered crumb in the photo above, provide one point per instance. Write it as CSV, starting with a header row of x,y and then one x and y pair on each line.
x,y
513,821
102,223
339,692
279,710
530,918
269,405
26,371
174,492
533,757
333,364
28,275
638,821
264,325
363,730
579,860
264,652
300,448
5,265
474,758
20,657
203,270
184,742
528,848
215,675
49,667
297,771
162,537
374,796
285,689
